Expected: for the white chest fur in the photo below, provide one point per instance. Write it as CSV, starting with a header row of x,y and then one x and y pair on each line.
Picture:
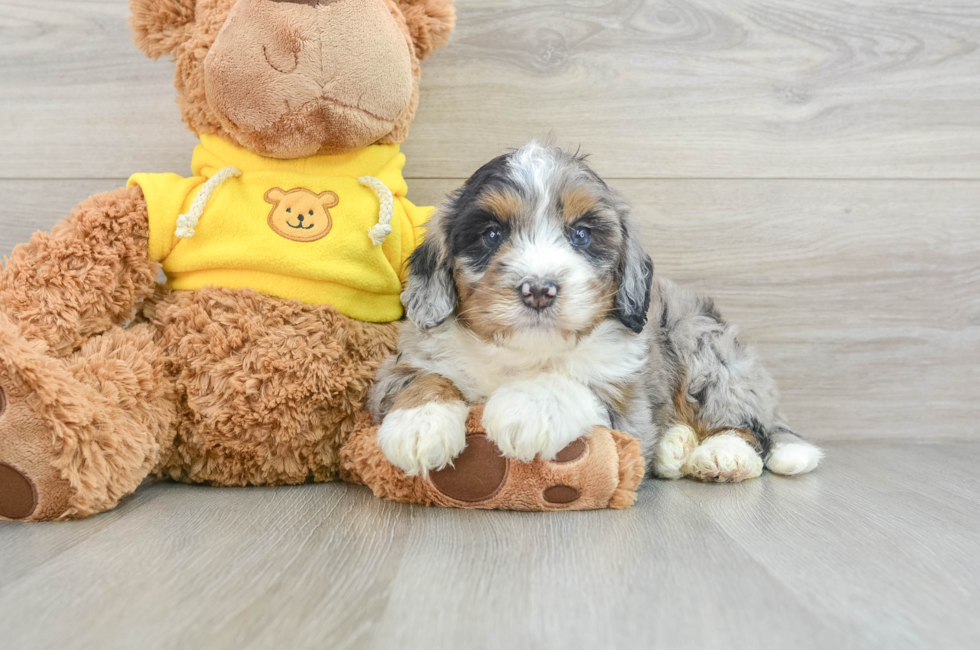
x,y
603,360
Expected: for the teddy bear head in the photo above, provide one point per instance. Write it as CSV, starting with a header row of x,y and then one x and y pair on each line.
x,y
299,214
295,78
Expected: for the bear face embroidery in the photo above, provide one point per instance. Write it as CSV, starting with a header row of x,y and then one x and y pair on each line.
x,y
299,214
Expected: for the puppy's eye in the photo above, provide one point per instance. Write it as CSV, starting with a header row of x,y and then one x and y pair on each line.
x,y
311,213
493,236
289,210
581,237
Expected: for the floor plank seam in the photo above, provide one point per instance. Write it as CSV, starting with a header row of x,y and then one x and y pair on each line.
x,y
880,179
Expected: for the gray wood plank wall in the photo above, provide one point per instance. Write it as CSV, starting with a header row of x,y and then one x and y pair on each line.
x,y
814,164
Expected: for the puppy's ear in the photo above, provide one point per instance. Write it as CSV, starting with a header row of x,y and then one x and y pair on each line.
x,y
635,280
159,25
430,22
430,296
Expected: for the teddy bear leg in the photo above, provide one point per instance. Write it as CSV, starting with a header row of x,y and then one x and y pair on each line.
x,y
83,277
600,470
77,434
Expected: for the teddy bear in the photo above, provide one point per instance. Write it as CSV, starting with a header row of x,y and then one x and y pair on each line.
x,y
285,254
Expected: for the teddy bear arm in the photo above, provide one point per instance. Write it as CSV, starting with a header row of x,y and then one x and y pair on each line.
x,y
84,276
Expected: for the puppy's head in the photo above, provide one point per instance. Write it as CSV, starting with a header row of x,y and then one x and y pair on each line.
x,y
534,246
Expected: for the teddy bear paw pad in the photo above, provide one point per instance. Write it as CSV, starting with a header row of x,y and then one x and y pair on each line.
x,y
477,474
18,496
30,487
562,494
572,452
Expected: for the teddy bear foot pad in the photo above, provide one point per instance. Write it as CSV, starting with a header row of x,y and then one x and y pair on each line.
x,y
18,496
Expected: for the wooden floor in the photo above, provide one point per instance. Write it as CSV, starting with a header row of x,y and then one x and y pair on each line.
x,y
877,549
813,164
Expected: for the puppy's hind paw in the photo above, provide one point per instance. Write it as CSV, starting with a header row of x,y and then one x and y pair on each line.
x,y
673,449
724,458
793,457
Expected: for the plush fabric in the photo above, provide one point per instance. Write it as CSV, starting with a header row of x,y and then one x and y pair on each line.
x,y
85,430
602,470
240,243
374,73
188,30
268,388
106,378
84,276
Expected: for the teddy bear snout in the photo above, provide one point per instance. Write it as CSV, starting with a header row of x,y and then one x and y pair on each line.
x,y
273,70
311,3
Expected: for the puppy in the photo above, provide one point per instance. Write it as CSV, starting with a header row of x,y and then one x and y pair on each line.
x,y
532,293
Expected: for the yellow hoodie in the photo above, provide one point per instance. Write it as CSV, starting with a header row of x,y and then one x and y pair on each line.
x,y
304,229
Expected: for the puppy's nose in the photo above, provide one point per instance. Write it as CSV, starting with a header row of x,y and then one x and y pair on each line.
x,y
539,295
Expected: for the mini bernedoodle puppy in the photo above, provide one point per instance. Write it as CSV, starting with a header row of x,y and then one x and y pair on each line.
x,y
532,293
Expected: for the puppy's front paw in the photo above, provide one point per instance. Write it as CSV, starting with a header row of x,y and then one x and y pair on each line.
x,y
424,438
530,418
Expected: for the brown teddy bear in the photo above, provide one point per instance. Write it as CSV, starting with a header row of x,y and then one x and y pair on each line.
x,y
285,255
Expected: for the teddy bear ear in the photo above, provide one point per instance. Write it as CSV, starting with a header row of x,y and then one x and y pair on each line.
x,y
328,199
275,195
430,23
158,25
